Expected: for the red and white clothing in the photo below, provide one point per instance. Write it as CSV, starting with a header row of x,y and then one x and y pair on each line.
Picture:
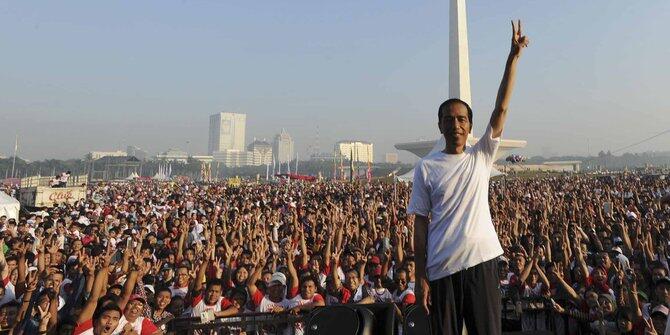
x,y
141,325
298,300
404,298
10,290
262,303
178,291
84,328
199,305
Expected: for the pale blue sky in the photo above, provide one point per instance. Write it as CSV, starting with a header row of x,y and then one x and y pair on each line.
x,y
99,75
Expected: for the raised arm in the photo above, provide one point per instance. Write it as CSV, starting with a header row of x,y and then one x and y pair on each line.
x,y
290,260
255,276
519,41
98,284
4,271
335,262
202,270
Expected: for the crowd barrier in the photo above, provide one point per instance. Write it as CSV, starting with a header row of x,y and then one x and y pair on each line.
x,y
371,319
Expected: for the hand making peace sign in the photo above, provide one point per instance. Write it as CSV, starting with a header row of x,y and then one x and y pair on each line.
x,y
519,41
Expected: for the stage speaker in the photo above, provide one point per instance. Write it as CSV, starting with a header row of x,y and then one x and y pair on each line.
x,y
332,320
384,317
416,321
374,319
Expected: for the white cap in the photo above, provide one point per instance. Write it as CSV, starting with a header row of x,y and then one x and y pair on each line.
x,y
660,309
617,249
277,278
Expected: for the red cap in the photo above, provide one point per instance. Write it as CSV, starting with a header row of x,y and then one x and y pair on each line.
x,y
137,297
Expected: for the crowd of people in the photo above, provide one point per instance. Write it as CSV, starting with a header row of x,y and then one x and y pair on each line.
x,y
582,254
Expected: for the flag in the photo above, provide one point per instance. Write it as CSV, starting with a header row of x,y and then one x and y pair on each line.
x,y
351,166
368,173
341,166
296,164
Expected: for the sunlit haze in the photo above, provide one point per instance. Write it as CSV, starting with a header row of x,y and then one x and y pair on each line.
x,y
78,76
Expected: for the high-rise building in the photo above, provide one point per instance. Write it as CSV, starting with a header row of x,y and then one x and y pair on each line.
x,y
136,152
261,152
226,132
282,147
391,158
361,151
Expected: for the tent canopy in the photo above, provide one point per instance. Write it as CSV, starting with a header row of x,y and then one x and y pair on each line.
x,y
9,206
439,146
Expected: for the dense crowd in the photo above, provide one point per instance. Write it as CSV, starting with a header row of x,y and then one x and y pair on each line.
x,y
583,254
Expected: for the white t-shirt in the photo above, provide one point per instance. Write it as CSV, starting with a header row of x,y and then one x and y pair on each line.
x,y
179,291
299,327
454,190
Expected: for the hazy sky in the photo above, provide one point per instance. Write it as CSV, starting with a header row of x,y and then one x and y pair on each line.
x,y
77,76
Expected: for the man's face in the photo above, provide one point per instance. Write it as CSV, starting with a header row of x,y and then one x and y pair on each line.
x,y
213,294
107,323
592,299
134,309
519,263
182,277
401,281
163,299
604,260
307,289
11,265
657,274
352,280
410,268
8,316
454,124
54,280
276,292
663,292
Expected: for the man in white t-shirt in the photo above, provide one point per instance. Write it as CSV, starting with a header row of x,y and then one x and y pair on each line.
x,y
455,240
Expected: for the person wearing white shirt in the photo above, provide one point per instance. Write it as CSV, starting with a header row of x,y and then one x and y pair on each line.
x,y
455,241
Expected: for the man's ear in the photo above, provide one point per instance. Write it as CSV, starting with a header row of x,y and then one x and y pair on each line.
x,y
439,126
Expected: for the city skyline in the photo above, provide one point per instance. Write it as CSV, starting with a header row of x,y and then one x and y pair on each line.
x,y
101,76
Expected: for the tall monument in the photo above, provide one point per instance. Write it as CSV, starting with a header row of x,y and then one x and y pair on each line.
x,y
459,83
459,59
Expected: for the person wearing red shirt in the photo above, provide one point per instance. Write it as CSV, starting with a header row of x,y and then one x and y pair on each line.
x,y
104,322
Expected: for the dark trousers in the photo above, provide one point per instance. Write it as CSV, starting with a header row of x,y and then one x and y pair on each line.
x,y
471,295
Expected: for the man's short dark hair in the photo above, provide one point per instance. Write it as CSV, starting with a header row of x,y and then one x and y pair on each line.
x,y
215,282
102,309
452,101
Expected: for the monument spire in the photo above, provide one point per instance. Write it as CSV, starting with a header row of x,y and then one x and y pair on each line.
x,y
459,62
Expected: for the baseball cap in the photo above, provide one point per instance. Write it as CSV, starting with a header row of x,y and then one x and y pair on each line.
x,y
663,280
660,309
150,288
138,298
277,278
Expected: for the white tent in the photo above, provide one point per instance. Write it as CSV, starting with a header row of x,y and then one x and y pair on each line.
x,y
9,206
133,176
439,146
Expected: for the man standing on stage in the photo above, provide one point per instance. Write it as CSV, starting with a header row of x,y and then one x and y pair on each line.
x,y
455,241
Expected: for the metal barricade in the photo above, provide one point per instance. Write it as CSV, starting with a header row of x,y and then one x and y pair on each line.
x,y
248,323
